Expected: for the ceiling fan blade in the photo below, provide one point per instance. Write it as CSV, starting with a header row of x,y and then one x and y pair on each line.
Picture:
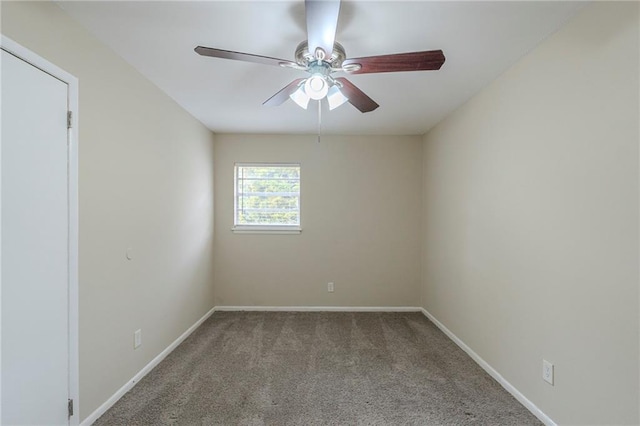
x,y
322,22
239,56
357,97
414,61
283,94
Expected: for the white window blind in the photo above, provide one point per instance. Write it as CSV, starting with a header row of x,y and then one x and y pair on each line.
x,y
267,196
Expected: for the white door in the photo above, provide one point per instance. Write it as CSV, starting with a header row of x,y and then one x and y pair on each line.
x,y
35,246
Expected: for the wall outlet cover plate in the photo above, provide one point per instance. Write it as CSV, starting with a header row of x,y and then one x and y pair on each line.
x,y
547,371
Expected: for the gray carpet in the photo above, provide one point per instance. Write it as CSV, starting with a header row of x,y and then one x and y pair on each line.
x,y
317,368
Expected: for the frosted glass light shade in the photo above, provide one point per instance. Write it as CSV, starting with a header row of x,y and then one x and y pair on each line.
x,y
316,87
300,97
335,97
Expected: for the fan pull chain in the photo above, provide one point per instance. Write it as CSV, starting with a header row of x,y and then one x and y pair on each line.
x,y
319,118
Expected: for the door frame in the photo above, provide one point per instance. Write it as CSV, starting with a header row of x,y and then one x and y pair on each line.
x,y
37,61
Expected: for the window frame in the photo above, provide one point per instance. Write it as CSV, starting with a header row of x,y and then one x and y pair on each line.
x,y
264,229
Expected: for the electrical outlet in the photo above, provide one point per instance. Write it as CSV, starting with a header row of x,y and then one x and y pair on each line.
x,y
330,287
547,371
137,339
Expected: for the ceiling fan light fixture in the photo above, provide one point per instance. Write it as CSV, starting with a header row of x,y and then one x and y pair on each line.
x,y
320,55
316,87
300,97
335,97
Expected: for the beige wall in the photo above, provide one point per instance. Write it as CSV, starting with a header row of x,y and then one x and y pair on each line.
x,y
531,220
146,182
360,202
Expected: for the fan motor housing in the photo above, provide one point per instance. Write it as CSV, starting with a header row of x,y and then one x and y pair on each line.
x,y
304,57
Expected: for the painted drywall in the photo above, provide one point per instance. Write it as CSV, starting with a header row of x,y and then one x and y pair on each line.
x,y
530,224
145,182
360,215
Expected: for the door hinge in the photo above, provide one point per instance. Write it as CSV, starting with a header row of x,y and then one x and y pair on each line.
x,y
69,119
70,407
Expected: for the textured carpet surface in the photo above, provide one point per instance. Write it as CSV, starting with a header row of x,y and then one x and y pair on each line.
x,y
324,368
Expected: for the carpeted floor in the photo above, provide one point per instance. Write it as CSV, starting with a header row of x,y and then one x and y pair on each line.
x,y
317,368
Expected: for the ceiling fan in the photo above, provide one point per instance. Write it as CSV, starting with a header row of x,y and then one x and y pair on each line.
x,y
321,56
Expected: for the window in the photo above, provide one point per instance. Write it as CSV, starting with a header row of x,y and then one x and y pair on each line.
x,y
267,198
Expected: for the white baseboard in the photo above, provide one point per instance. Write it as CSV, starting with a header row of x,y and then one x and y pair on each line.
x,y
492,372
147,368
320,308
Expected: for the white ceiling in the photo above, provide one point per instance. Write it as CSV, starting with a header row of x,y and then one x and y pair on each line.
x,y
480,41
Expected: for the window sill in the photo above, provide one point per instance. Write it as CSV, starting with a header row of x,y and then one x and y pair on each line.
x,y
266,230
